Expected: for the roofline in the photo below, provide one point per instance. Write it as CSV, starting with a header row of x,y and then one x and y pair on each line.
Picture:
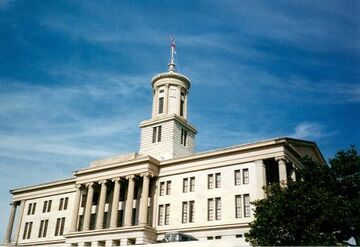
x,y
242,147
43,185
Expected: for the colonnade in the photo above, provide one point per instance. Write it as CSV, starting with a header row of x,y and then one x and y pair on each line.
x,y
88,188
283,173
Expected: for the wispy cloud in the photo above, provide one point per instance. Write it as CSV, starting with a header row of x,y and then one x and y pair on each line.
x,y
310,131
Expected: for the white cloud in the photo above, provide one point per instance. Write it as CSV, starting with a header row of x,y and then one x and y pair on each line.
x,y
310,131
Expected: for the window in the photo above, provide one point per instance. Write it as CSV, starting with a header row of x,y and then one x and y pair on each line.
x,y
238,235
217,237
238,206
218,208
63,203
237,177
66,202
168,187
161,105
210,209
184,212
247,210
183,137
192,184
167,214
47,206
43,228
185,185
162,188
217,180
161,215
31,208
210,181
191,211
156,134
245,176
210,238
59,228
27,230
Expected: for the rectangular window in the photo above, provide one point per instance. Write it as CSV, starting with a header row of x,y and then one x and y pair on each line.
x,y
25,229
41,229
168,187
183,137
237,177
167,214
49,206
192,184
66,202
218,208
247,210
57,226
162,188
184,212
210,209
217,180
33,210
29,229
245,176
156,137
45,206
29,209
191,211
238,206
161,215
45,228
62,226
161,105
61,204
210,181
185,185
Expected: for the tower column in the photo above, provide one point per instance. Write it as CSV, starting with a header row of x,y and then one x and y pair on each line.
x,y
144,198
75,211
129,200
11,222
166,100
115,203
155,102
89,199
101,207
185,104
282,169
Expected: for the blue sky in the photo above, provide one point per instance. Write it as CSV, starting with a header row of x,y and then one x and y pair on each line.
x,y
75,77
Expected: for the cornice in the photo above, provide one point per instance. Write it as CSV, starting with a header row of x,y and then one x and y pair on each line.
x,y
44,185
170,117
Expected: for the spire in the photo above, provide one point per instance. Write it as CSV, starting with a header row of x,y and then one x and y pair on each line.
x,y
171,65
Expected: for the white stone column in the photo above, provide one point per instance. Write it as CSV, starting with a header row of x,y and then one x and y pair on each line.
x,y
89,198
75,210
155,102
260,177
166,100
178,101
101,206
115,203
293,173
129,201
11,222
282,170
144,198
186,104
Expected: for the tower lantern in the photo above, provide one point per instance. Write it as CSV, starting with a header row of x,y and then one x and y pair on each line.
x,y
168,134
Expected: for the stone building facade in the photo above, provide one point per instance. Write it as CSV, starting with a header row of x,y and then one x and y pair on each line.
x,y
136,198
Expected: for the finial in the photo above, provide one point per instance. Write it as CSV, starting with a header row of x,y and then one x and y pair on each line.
x,y
171,65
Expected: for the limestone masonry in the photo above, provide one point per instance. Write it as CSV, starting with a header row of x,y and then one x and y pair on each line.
x,y
166,187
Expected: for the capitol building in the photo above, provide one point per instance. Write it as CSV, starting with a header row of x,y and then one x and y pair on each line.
x,y
164,187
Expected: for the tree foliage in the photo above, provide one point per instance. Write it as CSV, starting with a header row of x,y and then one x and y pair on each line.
x,y
320,208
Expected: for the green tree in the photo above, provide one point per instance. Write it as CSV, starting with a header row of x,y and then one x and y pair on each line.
x,y
320,208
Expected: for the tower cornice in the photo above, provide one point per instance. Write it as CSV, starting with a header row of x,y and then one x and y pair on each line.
x,y
171,74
